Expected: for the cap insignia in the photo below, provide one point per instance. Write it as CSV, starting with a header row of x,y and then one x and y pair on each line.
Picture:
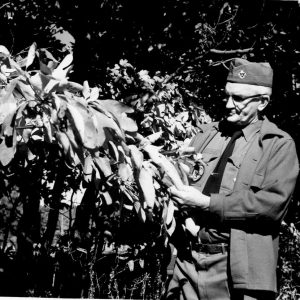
x,y
242,74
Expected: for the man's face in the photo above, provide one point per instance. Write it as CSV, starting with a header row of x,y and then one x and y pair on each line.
x,y
243,103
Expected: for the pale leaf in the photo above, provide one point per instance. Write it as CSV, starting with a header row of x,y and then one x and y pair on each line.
x,y
86,90
4,50
125,172
81,118
8,104
103,164
8,149
31,55
64,67
140,211
120,111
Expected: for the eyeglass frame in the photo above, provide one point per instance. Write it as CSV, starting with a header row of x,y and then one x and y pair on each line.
x,y
243,99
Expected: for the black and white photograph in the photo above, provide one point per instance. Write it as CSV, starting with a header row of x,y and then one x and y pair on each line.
x,y
150,149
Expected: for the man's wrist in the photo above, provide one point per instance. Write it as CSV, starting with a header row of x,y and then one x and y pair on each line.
x,y
205,202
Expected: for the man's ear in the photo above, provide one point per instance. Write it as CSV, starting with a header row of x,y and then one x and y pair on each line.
x,y
265,99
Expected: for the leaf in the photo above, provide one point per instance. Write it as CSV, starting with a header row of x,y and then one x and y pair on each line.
x,y
125,172
30,55
137,157
47,62
63,68
88,168
160,109
142,263
8,125
25,90
113,151
170,212
102,163
171,228
122,155
165,165
75,148
154,136
8,148
77,121
139,210
41,83
83,122
145,181
105,127
130,264
191,226
128,196
4,50
47,128
8,103
94,95
51,85
120,111
86,90
107,198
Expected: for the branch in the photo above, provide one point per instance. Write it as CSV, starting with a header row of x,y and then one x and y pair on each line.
x,y
4,5
216,51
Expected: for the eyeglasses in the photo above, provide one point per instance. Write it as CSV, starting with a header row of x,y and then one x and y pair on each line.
x,y
236,98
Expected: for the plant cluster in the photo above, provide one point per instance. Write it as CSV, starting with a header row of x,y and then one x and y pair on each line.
x,y
82,182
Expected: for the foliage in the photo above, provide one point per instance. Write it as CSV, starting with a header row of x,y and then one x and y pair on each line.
x,y
58,138
289,276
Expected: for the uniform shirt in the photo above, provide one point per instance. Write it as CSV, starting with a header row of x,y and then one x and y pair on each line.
x,y
209,233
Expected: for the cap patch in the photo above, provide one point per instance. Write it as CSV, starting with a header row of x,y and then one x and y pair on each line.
x,y
242,74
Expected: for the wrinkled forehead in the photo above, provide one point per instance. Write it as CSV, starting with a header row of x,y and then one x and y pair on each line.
x,y
246,90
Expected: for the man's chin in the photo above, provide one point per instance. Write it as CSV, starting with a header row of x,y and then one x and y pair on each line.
x,y
232,119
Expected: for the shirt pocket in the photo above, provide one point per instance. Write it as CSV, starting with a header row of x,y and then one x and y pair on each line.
x,y
209,155
236,159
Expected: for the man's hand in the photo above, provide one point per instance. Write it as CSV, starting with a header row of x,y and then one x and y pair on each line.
x,y
190,197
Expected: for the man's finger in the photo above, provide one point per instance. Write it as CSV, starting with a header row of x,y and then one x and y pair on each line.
x,y
176,200
174,191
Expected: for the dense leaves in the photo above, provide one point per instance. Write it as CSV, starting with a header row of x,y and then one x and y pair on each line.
x,y
66,141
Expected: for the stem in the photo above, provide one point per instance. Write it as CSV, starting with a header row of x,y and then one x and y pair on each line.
x,y
55,203
9,220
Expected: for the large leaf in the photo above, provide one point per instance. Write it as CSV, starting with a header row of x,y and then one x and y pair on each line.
x,y
8,103
103,164
83,124
31,55
40,81
25,90
8,149
8,140
64,67
105,126
120,111
4,50
76,152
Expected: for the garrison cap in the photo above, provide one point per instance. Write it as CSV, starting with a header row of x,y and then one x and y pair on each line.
x,y
244,71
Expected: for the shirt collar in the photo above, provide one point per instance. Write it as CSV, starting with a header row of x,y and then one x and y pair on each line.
x,y
251,129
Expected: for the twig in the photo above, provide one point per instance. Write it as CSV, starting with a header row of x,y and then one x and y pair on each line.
x,y
4,5
217,51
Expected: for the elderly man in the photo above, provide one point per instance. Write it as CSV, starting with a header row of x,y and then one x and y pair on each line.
x,y
239,201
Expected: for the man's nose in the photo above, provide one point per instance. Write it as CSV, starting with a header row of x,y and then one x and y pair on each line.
x,y
229,102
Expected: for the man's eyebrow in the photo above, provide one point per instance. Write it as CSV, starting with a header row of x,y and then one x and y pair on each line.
x,y
233,94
